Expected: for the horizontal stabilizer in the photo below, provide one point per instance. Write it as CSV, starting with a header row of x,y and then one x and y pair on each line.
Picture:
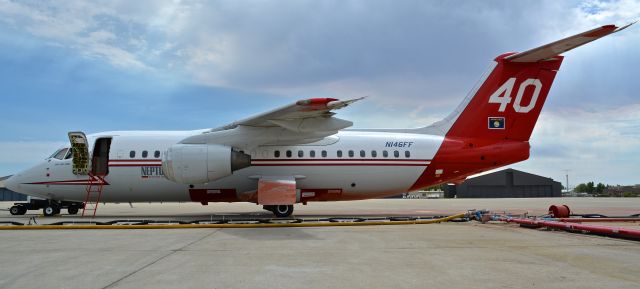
x,y
556,48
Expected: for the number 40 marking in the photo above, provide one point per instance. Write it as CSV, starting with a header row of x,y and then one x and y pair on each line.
x,y
503,95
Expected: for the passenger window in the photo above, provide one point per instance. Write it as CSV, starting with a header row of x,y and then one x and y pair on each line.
x,y
132,154
339,153
324,154
396,154
300,154
407,154
374,154
385,154
312,153
145,154
351,153
362,154
276,154
289,154
156,154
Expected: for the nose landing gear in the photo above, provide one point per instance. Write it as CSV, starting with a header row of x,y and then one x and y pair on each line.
x,y
49,207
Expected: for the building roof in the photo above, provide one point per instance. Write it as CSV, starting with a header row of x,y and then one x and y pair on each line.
x,y
508,170
519,178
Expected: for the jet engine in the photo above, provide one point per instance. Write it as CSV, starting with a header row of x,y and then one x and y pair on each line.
x,y
201,163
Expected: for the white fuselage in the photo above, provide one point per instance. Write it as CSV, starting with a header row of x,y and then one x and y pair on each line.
x,y
371,164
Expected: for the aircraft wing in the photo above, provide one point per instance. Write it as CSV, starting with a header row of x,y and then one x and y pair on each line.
x,y
302,122
555,48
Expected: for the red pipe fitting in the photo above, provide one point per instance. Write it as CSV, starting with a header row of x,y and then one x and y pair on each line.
x,y
560,211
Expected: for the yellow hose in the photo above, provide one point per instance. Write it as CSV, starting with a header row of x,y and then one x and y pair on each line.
x,y
220,226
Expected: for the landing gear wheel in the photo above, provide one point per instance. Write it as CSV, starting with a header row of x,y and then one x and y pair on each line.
x,y
17,210
50,210
72,210
282,211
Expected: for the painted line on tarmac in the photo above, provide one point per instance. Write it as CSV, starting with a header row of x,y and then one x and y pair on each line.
x,y
220,226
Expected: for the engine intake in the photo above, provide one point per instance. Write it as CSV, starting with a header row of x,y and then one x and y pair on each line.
x,y
201,163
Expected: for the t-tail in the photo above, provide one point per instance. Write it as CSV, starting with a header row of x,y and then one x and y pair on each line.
x,y
492,126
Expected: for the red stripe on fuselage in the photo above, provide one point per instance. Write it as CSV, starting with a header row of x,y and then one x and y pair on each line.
x,y
135,165
340,165
339,162
137,160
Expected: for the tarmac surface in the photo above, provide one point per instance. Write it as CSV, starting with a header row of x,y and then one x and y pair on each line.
x,y
447,255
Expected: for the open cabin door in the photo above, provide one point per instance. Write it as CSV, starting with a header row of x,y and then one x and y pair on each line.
x,y
80,150
100,159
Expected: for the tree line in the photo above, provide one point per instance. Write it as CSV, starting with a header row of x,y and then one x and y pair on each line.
x,y
590,188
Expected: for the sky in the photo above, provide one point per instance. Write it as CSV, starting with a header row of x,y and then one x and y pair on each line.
x,y
179,65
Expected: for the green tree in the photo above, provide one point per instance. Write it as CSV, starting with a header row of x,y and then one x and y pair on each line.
x,y
581,188
590,187
600,188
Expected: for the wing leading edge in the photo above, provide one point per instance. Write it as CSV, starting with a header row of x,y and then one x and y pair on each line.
x,y
558,47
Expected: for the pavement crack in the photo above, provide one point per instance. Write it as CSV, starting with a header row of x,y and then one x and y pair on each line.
x,y
110,285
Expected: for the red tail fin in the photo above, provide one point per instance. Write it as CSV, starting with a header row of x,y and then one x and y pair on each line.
x,y
492,127
507,105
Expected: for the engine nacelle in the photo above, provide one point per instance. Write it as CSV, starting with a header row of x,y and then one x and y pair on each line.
x,y
201,163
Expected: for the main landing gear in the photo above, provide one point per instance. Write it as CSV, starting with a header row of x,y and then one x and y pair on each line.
x,y
281,211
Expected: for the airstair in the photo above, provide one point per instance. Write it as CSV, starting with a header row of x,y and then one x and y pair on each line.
x,y
94,193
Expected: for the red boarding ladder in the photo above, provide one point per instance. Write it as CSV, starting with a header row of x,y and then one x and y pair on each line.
x,y
94,192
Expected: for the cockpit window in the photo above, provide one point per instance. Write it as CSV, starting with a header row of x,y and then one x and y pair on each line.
x,y
69,154
60,154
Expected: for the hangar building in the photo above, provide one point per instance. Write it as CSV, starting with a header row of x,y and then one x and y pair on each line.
x,y
507,183
9,195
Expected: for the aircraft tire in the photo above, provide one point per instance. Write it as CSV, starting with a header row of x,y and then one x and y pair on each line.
x,y
283,211
15,210
50,210
72,210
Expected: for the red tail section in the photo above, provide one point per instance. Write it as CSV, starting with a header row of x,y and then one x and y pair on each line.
x,y
493,125
507,105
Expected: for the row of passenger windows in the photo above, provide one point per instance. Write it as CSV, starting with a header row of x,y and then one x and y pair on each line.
x,y
145,154
350,153
66,153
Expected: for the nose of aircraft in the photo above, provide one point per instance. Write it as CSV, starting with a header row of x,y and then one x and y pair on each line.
x,y
12,183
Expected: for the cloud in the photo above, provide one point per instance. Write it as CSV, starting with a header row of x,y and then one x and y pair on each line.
x,y
75,24
416,60
403,52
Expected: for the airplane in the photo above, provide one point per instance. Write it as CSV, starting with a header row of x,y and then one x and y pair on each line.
x,y
301,153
